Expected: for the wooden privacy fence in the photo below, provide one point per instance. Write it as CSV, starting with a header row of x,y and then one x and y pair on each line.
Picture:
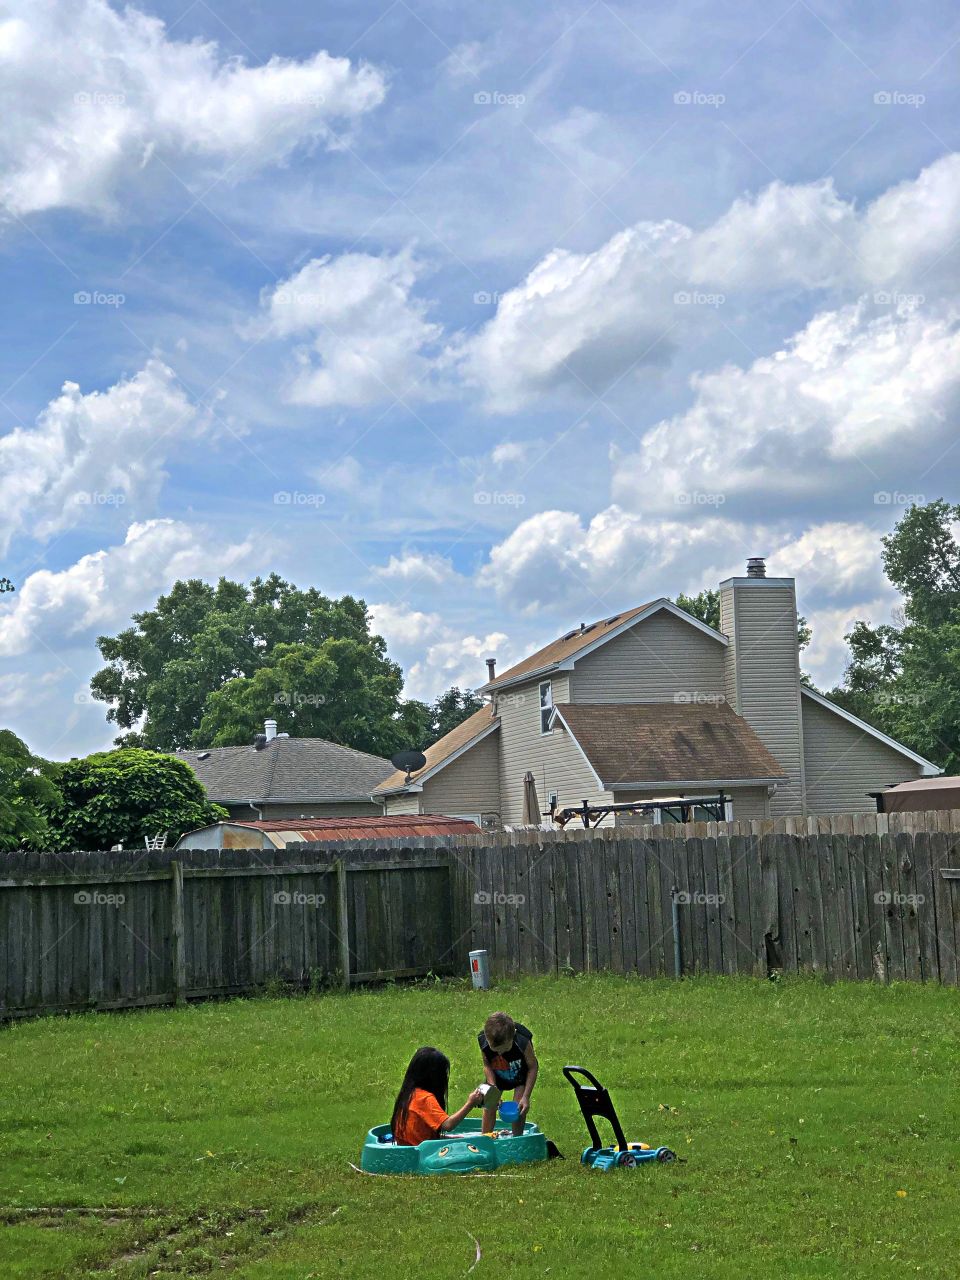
x,y
111,930
845,906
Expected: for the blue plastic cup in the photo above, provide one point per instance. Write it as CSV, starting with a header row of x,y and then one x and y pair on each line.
x,y
509,1111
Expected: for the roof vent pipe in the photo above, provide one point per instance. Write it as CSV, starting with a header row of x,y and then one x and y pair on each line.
x,y
756,567
491,668
269,729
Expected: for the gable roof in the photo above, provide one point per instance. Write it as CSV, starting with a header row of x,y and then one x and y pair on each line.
x,y
287,771
632,744
446,749
929,768
280,832
564,651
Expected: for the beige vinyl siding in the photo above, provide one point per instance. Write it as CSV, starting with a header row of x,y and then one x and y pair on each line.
x,y
844,763
766,671
403,802
730,652
553,758
654,661
470,784
748,802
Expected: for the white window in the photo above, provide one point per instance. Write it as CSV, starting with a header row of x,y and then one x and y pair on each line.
x,y
546,706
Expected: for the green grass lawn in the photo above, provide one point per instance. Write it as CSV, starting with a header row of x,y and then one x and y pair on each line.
x,y
819,1125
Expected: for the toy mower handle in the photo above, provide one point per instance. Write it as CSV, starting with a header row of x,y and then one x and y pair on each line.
x,y
571,1071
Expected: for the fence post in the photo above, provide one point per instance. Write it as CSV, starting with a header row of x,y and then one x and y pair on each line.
x,y
343,923
179,953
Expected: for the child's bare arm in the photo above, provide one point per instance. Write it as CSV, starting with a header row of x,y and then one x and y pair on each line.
x,y
533,1068
451,1122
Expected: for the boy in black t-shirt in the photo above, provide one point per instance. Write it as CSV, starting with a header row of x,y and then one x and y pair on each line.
x,y
509,1062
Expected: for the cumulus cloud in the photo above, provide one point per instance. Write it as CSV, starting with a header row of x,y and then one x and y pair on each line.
x,y
843,407
585,320
419,568
91,95
555,559
434,655
363,336
100,591
93,452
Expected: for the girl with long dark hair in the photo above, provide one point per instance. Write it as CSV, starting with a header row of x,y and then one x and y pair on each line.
x,y
420,1111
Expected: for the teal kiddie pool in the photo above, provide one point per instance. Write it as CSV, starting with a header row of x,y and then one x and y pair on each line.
x,y
465,1150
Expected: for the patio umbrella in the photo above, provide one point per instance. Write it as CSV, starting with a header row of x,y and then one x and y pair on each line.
x,y
531,805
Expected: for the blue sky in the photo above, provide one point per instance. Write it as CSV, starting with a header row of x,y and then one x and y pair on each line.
x,y
501,317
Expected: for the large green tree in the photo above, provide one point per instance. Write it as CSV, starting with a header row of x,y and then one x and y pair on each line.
x,y
27,792
161,672
122,797
904,677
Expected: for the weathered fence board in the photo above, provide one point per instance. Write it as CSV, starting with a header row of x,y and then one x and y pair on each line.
x,y
106,930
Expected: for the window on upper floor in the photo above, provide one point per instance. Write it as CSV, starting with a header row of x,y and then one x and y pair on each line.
x,y
546,706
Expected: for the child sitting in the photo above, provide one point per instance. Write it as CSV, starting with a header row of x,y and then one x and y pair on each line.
x,y
420,1112
508,1063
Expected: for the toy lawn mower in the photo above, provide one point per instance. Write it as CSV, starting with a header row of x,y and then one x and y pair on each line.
x,y
595,1101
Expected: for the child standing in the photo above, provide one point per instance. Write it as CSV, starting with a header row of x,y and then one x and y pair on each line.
x,y
420,1111
509,1062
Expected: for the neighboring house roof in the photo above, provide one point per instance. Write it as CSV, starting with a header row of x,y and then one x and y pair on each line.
x,y
280,832
287,771
562,653
631,744
444,751
929,768
919,795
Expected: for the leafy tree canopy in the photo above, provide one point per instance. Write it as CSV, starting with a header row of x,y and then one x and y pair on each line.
x,y
121,797
904,677
27,791
161,671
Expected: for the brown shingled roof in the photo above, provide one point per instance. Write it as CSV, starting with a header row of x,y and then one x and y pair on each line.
x,y
667,742
567,645
443,748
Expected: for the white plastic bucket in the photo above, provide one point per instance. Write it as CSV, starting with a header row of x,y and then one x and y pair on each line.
x,y
480,970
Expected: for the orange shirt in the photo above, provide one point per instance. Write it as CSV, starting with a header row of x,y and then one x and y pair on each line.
x,y
424,1118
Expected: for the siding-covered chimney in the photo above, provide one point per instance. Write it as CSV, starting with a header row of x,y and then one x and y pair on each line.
x,y
269,729
758,615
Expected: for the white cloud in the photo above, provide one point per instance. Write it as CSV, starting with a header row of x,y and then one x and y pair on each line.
x,y
842,409
837,559
364,336
583,321
554,559
419,568
90,96
509,453
94,452
433,654
101,590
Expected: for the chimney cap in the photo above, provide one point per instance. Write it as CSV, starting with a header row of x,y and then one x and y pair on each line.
x,y
757,567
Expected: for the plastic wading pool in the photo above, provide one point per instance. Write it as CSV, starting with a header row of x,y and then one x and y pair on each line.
x,y
464,1150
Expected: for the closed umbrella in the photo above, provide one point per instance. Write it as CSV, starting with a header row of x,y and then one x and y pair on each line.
x,y
531,804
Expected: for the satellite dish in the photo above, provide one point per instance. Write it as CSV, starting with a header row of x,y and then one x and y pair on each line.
x,y
408,761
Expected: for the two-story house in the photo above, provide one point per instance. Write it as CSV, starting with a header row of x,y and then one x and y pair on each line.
x,y
652,703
